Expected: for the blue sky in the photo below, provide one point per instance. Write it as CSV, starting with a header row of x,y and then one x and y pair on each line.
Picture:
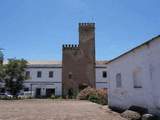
x,y
36,29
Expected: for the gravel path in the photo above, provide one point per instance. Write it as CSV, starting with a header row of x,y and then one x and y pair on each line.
x,y
54,110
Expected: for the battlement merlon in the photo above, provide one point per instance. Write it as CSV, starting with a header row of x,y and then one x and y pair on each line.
x,y
86,26
70,46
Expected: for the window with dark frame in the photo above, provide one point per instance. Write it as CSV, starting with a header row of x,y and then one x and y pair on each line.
x,y
50,74
39,74
26,89
27,74
104,74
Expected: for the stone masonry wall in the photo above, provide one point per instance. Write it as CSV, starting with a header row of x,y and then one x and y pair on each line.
x,y
79,61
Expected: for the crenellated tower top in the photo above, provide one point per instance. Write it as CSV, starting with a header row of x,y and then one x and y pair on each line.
x,y
83,26
70,46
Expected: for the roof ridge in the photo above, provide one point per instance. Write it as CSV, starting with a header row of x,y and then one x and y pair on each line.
x,y
144,43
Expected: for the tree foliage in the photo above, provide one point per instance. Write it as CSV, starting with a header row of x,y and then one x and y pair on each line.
x,y
13,74
1,73
1,57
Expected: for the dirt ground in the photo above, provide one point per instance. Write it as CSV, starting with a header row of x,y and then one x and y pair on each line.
x,y
36,109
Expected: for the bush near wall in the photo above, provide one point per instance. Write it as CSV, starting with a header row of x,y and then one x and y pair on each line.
x,y
98,96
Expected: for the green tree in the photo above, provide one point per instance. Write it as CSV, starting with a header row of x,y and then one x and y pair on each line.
x,y
1,72
1,68
14,75
1,57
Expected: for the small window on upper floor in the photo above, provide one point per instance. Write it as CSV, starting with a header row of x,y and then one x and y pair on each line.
x,y
50,74
118,80
104,74
39,74
70,75
27,74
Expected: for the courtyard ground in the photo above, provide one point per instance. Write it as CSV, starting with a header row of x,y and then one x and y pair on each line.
x,y
47,109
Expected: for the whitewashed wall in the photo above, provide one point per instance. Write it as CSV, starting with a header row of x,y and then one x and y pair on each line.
x,y
45,73
154,70
101,82
44,81
43,86
147,58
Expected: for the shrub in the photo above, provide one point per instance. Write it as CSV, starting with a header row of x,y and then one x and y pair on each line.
x,y
94,98
85,93
58,97
98,96
52,97
102,94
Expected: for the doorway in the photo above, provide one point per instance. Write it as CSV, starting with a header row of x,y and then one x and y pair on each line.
x,y
38,92
70,93
50,92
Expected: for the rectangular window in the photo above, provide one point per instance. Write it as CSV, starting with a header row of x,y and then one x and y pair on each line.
x,y
118,80
70,75
26,89
104,74
50,74
39,74
27,74
137,77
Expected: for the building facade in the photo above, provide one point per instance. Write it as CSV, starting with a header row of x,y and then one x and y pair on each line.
x,y
78,61
45,78
134,77
101,75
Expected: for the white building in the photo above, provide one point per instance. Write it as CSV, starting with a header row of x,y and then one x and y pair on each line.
x,y
45,77
101,75
134,77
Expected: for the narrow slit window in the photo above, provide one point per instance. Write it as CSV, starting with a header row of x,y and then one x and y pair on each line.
x,y
70,75
118,80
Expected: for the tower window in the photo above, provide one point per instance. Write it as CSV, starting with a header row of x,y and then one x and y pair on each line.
x,y
104,74
50,74
39,74
118,80
70,75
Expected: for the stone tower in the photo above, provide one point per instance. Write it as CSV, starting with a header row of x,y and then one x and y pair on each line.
x,y
78,61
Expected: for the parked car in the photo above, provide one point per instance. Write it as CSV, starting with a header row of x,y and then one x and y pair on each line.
x,y
5,95
26,94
